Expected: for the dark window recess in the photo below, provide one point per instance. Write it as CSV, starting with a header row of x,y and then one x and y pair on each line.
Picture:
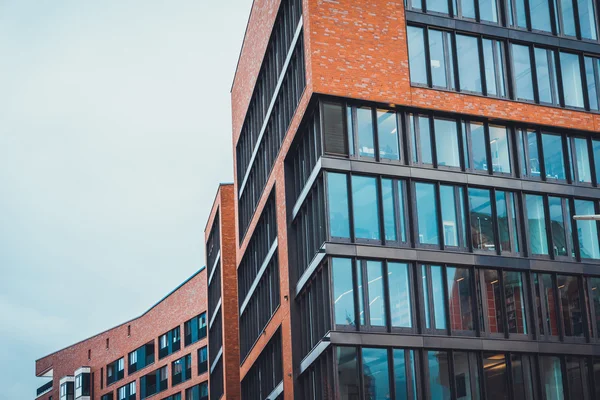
x,y
258,248
276,128
216,381
82,385
169,342
107,396
115,371
154,382
215,337
181,370
308,228
202,360
260,307
140,358
317,382
335,138
314,306
127,392
195,329
213,244
196,392
266,373
176,396
214,289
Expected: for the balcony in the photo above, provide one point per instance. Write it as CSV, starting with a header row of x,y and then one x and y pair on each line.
x,y
45,388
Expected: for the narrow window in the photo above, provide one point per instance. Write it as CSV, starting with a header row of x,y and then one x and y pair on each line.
x,y
523,373
399,284
446,143
389,211
107,343
546,306
460,299
365,206
89,355
522,72
402,210
375,293
478,148
416,52
441,56
433,289
427,213
572,305
552,380
387,135
554,161
490,297
469,73
507,222
450,221
437,362
337,196
514,294
404,372
128,330
537,224
499,149
591,70
567,17
350,124
578,377
571,79
587,19
595,300
494,374
483,236
360,293
540,15
424,139
466,375
596,152
560,226
587,231
343,292
545,68
493,55
347,366
364,127
375,373
582,161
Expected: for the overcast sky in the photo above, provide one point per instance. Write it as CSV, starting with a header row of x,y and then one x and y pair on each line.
x,y
115,130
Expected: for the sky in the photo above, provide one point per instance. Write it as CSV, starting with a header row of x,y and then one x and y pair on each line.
x,y
115,131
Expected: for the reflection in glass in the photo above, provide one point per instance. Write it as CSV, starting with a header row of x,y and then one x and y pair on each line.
x,y
520,18
439,303
499,149
507,221
439,6
365,207
360,292
402,374
587,20
494,376
426,213
460,300
522,71
494,67
554,160
523,375
347,366
364,126
401,208
560,232
439,377
567,17
590,76
376,295
488,10
582,161
482,227
572,305
387,134
532,146
490,296
595,299
551,374
541,10
469,73
389,211
587,231
578,377
514,294
337,195
478,152
449,218
545,66
464,364
425,140
343,291
375,374
446,143
416,59
571,77
440,54
545,303
400,295
425,285
596,150
536,224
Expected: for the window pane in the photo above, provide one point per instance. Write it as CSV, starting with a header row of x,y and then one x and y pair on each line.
x,y
376,295
545,303
440,53
446,143
596,150
567,17
387,133
532,158
400,295
464,363
337,196
490,67
402,374
494,376
426,213
439,303
375,374
572,305
402,209
520,12
478,147
425,296
365,207
506,221
482,227
587,230
587,20
553,156
440,6
560,232
582,161
522,70
595,299
541,10
343,291
389,212
499,149
523,374
514,293
364,125
460,299
439,378
468,8
551,378
416,52
360,293
490,295
488,10
449,218
591,81
347,364
537,224
425,140
349,122
578,377
546,76
571,77
468,62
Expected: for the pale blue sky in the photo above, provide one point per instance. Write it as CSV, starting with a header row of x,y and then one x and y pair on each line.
x,y
115,131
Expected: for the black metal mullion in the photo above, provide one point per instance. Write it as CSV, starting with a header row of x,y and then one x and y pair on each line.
x,y
548,223
503,297
482,76
584,86
439,217
561,93
552,61
427,54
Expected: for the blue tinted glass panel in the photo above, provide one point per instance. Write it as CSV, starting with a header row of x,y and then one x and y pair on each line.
x,y
400,295
364,126
522,70
552,381
571,77
546,75
506,221
348,373
440,6
349,121
440,54
389,212
416,52
425,296
438,375
482,227
468,63
439,302
337,195
499,149
587,231
590,76
494,67
468,8
582,161
343,292
478,152
560,233
534,156
427,213
446,142
596,149
376,295
587,21
361,298
365,207
387,133
568,17
375,374
401,374
554,160
449,218
488,10
536,224
402,209
425,140
541,10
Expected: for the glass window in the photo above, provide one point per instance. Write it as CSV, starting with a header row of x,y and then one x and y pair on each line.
x,y
343,292
499,149
490,296
488,10
460,298
571,79
507,221
387,133
376,374
494,376
439,377
449,218
376,295
551,374
561,234
478,151
425,140
469,73
517,13
446,143
596,150
364,126
567,17
349,122
587,20
514,294
582,161
554,160
404,372
530,157
571,301
389,211
590,75
365,206
494,67
416,59
360,292
578,377
401,209
440,6
595,300
522,71
587,231
348,379
546,75
541,10
426,213
523,375
466,376
440,54
545,303
439,303
536,224
482,227
467,8
399,284
337,196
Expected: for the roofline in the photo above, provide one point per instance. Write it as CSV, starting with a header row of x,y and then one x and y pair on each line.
x,y
214,200
237,65
123,323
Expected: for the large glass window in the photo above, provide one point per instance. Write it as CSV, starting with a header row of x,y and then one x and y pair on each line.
x,y
560,220
552,381
364,127
499,149
571,79
387,135
515,288
416,51
389,210
375,374
546,305
536,223
439,376
506,212
545,67
446,143
494,376
376,296
399,283
582,161
441,56
587,231
433,294
460,299
490,297
466,376
348,378
337,196
365,206
572,305
540,12
482,227
523,375
554,160
522,71
343,292
469,71
426,204
404,374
